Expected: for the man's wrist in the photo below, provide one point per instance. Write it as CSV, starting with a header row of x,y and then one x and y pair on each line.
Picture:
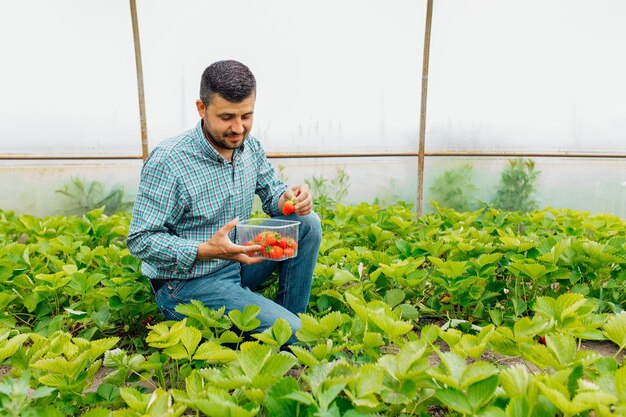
x,y
203,251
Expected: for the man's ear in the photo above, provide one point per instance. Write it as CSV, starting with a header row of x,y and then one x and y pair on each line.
x,y
200,107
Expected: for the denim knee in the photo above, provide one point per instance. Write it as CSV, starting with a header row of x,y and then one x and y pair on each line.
x,y
311,227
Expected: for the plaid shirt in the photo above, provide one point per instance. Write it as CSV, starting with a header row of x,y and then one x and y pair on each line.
x,y
187,193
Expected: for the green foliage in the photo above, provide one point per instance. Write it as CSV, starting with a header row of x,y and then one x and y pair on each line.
x,y
526,287
83,196
454,189
328,192
517,186
66,273
17,399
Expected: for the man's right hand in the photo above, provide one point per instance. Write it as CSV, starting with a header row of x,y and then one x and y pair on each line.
x,y
221,247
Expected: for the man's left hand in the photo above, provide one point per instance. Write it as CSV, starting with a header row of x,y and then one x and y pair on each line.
x,y
303,197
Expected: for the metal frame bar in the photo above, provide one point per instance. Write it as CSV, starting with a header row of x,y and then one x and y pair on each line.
x,y
302,155
293,155
140,90
66,157
422,142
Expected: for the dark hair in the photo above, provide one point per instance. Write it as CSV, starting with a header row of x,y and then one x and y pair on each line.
x,y
230,79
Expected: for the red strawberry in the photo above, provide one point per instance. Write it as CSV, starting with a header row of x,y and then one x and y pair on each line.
x,y
273,252
542,340
290,206
289,252
252,243
271,239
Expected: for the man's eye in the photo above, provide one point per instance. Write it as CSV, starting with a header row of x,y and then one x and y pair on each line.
x,y
225,117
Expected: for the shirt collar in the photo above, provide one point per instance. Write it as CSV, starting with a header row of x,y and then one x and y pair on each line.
x,y
208,149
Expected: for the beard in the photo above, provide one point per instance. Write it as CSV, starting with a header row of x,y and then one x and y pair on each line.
x,y
223,140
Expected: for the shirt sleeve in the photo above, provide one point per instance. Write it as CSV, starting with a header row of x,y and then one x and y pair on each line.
x,y
269,187
160,204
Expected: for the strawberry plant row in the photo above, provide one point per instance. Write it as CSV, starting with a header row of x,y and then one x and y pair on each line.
x,y
523,286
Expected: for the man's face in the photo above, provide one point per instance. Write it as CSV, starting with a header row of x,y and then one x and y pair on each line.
x,y
226,124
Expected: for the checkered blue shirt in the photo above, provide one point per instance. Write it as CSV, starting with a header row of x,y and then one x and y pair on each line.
x,y
187,193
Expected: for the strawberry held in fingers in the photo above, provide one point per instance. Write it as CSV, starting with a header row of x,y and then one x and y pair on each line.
x,y
252,243
289,206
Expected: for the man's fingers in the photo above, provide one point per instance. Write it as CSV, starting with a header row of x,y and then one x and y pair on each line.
x,y
246,259
249,261
251,248
229,226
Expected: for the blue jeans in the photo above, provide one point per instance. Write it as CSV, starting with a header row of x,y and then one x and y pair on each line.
x,y
233,286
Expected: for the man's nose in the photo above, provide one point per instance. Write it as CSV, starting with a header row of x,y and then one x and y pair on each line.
x,y
237,126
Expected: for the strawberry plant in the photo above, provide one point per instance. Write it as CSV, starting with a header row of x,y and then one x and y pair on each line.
x,y
405,316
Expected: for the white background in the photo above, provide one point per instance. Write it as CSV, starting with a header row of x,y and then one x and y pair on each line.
x,y
333,76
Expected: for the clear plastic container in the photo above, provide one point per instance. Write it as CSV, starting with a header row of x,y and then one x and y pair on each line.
x,y
278,238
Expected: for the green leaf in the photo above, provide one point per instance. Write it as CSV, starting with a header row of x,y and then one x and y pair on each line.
x,y
162,336
277,365
476,372
394,297
108,392
450,269
519,306
101,318
246,320
301,397
190,338
10,347
407,311
515,380
529,268
491,411
484,260
562,347
5,299
276,402
479,393
276,335
314,330
454,399
527,328
304,356
96,412
572,379
620,384
615,329
343,277
54,380
176,352
450,369
252,358
518,407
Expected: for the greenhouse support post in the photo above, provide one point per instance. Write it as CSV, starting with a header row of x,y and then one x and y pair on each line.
x,y
420,158
140,92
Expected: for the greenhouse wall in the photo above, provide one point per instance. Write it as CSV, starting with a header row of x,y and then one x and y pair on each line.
x,y
506,80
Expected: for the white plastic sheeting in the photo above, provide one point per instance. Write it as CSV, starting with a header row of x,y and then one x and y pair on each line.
x,y
67,79
333,76
31,187
593,185
528,76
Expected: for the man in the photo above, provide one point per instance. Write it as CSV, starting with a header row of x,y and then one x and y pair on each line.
x,y
193,190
